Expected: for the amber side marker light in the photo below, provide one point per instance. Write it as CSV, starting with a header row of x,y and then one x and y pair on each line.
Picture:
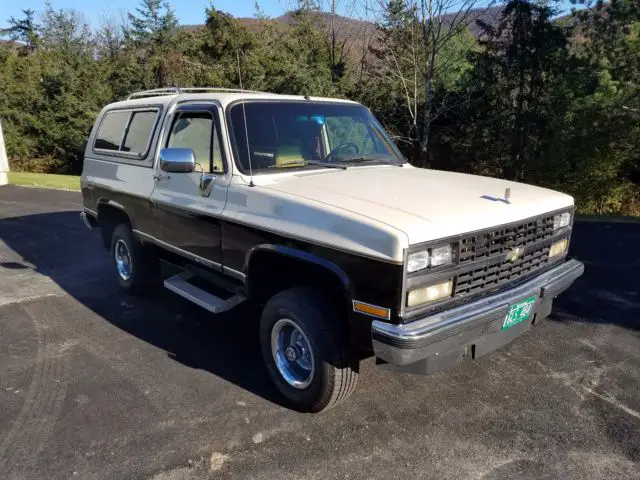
x,y
372,310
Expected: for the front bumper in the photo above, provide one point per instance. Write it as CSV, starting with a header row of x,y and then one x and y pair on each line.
x,y
443,340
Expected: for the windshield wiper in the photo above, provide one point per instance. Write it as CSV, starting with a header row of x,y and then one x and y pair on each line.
x,y
325,164
368,158
310,162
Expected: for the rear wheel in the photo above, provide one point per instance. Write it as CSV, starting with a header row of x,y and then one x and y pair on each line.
x,y
306,350
137,269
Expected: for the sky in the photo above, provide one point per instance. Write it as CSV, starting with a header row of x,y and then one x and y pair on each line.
x,y
189,12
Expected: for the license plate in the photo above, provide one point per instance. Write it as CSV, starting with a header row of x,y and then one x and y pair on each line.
x,y
518,313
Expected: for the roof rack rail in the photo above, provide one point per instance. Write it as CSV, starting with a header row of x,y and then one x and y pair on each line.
x,y
156,92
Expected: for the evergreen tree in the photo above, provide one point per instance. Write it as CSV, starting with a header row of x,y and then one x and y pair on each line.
x,y
23,29
153,26
153,34
515,91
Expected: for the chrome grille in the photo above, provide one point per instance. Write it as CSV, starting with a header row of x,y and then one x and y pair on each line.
x,y
492,276
501,240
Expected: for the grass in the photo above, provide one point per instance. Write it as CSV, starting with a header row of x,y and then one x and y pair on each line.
x,y
44,180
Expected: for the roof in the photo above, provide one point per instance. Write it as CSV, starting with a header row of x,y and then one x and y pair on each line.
x,y
225,98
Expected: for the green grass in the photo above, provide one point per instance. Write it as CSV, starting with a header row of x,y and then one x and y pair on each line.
x,y
44,180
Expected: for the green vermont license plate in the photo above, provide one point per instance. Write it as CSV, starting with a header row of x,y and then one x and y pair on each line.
x,y
519,313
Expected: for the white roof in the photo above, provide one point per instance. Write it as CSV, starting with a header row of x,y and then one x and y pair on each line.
x,y
225,98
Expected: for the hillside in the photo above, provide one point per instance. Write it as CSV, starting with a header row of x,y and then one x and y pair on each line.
x,y
353,26
355,35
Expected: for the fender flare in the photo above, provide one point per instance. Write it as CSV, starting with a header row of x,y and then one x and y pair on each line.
x,y
113,204
294,253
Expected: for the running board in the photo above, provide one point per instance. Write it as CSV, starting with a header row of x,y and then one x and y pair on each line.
x,y
179,284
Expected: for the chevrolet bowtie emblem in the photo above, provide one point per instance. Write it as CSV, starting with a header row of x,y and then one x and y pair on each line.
x,y
514,254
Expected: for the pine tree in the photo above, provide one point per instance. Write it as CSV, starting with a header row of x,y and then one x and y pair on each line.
x,y
153,33
153,25
515,90
23,29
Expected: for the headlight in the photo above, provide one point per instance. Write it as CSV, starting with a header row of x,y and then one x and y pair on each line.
x,y
558,248
433,257
440,256
429,294
561,220
417,261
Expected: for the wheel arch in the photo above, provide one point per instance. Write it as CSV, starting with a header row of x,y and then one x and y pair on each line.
x,y
110,214
313,270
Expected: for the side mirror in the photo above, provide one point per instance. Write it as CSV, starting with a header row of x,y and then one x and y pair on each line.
x,y
177,160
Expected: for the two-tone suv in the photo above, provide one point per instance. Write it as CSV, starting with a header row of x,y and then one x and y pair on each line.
x,y
305,206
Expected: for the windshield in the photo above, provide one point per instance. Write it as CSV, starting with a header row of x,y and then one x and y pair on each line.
x,y
306,135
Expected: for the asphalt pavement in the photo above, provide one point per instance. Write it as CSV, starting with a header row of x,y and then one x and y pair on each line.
x,y
95,384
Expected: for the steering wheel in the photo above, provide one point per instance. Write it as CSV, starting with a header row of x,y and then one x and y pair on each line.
x,y
341,147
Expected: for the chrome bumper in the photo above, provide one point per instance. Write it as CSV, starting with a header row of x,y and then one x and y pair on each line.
x,y
445,339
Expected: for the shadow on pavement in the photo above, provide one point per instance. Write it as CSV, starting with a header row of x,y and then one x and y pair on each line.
x,y
609,290
58,246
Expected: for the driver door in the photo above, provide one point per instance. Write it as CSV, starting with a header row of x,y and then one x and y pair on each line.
x,y
187,219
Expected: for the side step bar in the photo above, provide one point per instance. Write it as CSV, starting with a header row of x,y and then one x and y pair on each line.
x,y
179,284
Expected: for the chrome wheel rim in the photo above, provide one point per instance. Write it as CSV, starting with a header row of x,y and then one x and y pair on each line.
x,y
123,259
292,353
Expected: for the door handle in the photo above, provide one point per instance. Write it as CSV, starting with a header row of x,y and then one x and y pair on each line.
x,y
160,177
206,184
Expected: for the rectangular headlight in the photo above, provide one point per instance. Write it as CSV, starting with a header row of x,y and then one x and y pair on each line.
x,y
440,256
558,248
433,257
561,220
429,294
417,261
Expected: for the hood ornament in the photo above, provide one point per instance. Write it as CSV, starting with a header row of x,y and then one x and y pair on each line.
x,y
506,199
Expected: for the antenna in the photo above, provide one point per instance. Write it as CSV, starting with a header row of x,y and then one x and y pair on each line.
x,y
244,115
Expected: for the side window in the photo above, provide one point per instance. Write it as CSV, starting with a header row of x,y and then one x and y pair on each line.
x,y
196,130
126,131
111,130
139,132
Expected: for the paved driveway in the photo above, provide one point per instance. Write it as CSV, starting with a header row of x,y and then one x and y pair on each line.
x,y
95,384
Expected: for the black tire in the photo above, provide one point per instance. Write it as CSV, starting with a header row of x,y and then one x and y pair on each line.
x,y
144,274
336,370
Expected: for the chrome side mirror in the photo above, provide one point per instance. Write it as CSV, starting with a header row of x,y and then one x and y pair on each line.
x,y
177,160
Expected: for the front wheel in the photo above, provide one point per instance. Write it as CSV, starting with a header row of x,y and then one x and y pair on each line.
x,y
306,350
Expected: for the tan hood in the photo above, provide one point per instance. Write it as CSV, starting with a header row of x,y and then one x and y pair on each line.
x,y
424,204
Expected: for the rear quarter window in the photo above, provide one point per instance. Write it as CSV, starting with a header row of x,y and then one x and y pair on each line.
x,y
111,131
126,132
139,132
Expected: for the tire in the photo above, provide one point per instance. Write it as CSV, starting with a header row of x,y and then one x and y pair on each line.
x,y
334,372
140,269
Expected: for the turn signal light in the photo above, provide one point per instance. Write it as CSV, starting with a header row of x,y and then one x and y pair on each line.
x,y
371,310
